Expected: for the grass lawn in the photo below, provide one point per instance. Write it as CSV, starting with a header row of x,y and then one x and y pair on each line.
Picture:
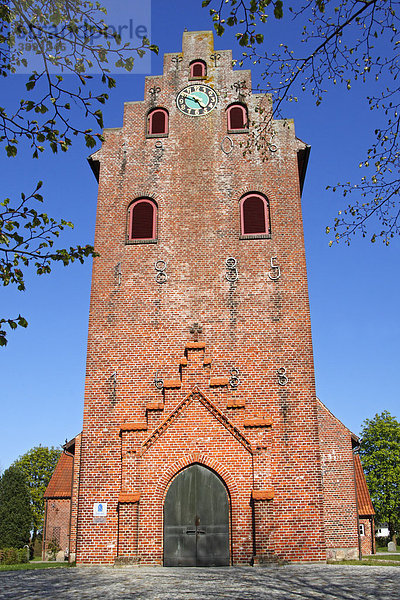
x,y
35,565
390,560
388,557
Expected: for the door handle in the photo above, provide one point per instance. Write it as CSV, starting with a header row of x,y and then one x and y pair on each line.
x,y
190,532
200,531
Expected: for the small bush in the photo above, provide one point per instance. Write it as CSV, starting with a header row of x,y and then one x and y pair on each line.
x,y
53,547
382,542
13,556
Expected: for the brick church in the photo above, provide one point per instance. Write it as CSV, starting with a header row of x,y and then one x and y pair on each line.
x,y
203,441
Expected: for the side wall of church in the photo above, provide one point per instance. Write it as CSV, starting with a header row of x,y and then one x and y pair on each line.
x,y
257,324
74,498
368,537
340,505
57,528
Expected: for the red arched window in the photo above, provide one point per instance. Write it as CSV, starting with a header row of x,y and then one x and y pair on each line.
x,y
197,69
157,122
254,215
142,220
237,117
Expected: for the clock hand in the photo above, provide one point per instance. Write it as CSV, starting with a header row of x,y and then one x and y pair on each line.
x,y
195,99
199,101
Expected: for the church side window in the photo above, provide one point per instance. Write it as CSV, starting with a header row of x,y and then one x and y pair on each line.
x,y
142,221
197,69
254,216
157,122
237,118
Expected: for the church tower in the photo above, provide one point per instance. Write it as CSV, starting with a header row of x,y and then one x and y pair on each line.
x,y
201,438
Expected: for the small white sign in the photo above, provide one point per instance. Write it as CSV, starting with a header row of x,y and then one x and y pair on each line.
x,y
100,509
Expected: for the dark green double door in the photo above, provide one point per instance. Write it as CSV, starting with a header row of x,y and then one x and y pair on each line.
x,y
196,520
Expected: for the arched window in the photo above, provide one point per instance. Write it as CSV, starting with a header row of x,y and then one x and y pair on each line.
x,y
254,215
197,69
157,122
237,118
142,220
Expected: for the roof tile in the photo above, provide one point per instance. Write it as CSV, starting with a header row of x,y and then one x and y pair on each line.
x,y
60,484
365,507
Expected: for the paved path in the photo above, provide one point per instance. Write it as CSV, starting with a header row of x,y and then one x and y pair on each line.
x,y
291,582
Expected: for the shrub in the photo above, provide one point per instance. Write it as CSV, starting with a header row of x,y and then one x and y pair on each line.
x,y
13,556
53,547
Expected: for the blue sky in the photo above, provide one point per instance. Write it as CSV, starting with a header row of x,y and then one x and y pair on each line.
x,y
353,290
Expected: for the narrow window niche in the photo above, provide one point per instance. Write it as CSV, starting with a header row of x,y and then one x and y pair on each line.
x,y
198,69
142,221
254,216
158,123
237,118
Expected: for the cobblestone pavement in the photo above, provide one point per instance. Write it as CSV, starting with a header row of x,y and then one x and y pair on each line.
x,y
290,582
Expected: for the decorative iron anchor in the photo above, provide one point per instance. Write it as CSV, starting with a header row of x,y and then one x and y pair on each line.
x,y
232,274
176,59
158,381
234,378
274,276
154,91
282,377
215,57
160,266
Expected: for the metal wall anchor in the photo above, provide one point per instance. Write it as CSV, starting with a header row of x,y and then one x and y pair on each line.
x,y
232,274
227,145
282,377
161,276
154,91
215,57
118,272
176,59
234,378
276,271
158,381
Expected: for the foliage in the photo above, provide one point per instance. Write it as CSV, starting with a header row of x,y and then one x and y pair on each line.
x,y
53,548
380,456
67,39
15,510
38,465
343,42
33,245
13,556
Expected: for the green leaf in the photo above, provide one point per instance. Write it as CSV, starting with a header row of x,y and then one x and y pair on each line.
x,y
22,322
278,9
90,141
11,150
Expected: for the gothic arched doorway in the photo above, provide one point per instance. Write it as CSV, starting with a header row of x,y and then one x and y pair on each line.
x,y
196,520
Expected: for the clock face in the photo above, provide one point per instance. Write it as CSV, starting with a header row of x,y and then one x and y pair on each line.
x,y
196,100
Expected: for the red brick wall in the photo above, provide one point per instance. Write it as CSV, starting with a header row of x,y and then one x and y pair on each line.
x,y
57,523
258,325
368,539
74,499
340,508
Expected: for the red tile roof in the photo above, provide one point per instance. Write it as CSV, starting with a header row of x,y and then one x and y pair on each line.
x,y
60,484
365,507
